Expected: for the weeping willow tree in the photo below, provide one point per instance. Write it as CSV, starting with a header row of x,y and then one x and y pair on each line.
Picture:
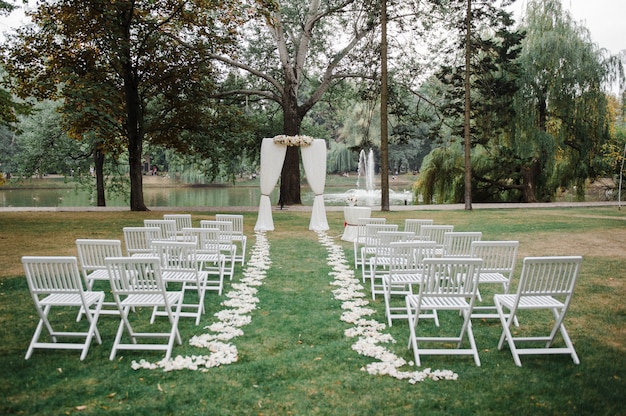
x,y
562,112
442,177
559,121
340,158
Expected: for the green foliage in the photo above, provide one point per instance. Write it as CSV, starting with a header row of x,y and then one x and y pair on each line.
x,y
129,71
441,177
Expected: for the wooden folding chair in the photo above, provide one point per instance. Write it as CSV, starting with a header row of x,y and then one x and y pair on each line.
x,y
448,284
238,235
179,265
499,258
56,282
91,255
405,272
361,239
137,283
546,283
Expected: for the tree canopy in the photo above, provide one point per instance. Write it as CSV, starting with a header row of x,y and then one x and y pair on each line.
x,y
128,71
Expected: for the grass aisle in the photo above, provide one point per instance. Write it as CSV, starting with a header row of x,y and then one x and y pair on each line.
x,y
369,333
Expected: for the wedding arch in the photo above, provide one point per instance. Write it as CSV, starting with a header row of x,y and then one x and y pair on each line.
x,y
273,152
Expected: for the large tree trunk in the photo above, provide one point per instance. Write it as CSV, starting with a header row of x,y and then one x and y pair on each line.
x,y
290,174
98,159
529,174
134,125
135,148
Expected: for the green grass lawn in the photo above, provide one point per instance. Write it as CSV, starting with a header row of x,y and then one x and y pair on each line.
x,y
294,357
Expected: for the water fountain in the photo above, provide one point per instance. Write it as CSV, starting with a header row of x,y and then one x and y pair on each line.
x,y
365,193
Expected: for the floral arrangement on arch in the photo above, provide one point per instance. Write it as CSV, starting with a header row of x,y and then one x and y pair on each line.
x,y
351,200
303,141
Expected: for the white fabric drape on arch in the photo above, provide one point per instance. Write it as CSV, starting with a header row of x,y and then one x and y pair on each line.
x,y
314,161
272,158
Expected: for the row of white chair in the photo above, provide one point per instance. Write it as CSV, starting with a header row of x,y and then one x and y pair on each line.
x,y
161,266
55,281
432,268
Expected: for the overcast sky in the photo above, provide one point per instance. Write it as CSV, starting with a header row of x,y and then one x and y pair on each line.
x,y
605,19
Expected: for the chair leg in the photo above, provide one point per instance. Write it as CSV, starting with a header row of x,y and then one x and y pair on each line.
x,y
506,332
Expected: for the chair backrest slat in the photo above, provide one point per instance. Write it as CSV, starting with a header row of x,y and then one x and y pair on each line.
x,y
168,227
139,239
458,244
415,225
498,256
207,239
450,276
235,219
549,276
48,274
92,252
133,275
435,232
177,255
182,221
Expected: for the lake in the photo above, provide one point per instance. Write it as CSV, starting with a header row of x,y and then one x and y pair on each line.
x,y
184,196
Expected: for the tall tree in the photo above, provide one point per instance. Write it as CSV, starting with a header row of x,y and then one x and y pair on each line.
x,y
146,62
480,83
384,112
299,51
562,105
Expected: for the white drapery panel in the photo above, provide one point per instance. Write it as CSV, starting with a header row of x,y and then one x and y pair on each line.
x,y
272,158
314,161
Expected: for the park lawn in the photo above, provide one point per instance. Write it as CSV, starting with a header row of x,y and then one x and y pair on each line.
x,y
294,357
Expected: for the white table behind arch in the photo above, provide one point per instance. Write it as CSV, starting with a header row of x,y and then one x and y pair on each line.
x,y
273,152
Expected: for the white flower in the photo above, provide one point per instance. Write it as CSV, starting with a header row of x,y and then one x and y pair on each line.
x,y
303,141
351,200
368,332
241,301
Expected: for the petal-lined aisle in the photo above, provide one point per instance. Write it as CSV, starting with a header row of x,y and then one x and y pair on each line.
x,y
368,331
242,300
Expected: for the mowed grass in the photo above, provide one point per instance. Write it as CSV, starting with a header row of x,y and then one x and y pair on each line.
x,y
294,357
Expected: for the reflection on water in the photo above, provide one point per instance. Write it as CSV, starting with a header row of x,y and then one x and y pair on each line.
x,y
178,197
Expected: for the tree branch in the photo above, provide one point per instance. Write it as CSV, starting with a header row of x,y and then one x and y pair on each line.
x,y
251,70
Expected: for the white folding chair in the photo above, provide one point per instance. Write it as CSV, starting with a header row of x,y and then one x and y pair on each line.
x,y
138,240
360,239
448,284
91,255
459,243
179,264
415,225
378,263
435,233
182,221
168,228
208,254
238,234
546,283
136,283
56,282
405,271
499,259
370,241
226,244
